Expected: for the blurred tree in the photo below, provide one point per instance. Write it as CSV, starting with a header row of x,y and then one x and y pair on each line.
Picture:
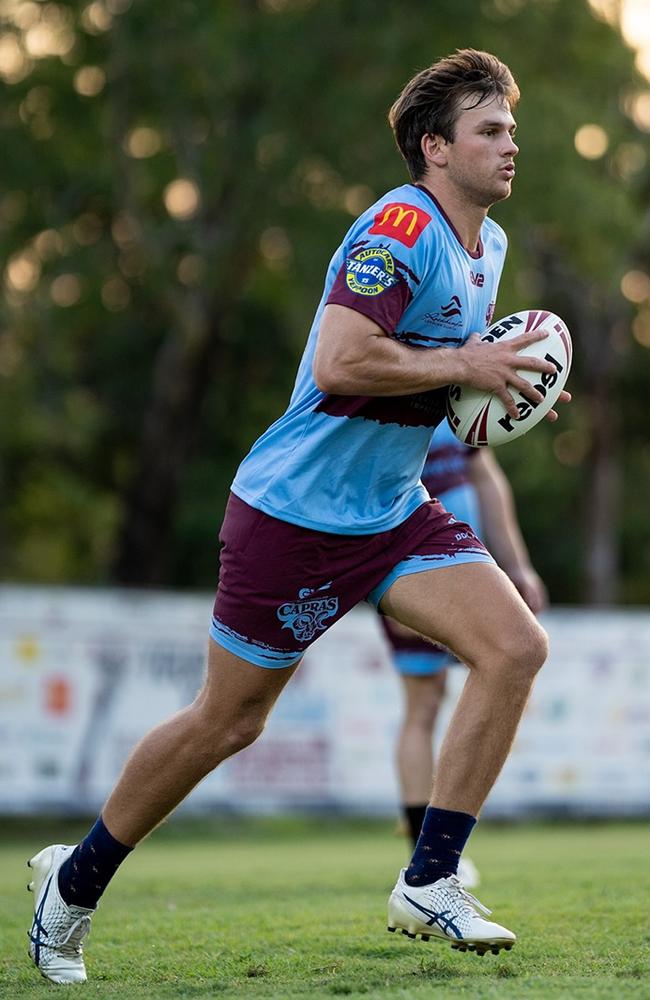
x,y
176,179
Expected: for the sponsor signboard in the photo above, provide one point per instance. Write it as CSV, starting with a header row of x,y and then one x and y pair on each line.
x,y
85,673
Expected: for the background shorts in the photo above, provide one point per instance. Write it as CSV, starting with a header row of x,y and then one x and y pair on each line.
x,y
413,655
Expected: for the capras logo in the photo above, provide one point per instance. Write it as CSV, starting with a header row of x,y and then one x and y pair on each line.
x,y
526,405
306,618
503,327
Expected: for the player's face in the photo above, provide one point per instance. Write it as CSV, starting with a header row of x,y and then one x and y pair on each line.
x,y
480,160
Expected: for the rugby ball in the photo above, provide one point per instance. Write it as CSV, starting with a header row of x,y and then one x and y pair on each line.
x,y
479,418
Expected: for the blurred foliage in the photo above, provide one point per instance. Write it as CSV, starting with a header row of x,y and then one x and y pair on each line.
x,y
174,180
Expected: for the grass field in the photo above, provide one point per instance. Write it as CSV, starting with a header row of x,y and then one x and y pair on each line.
x,y
296,908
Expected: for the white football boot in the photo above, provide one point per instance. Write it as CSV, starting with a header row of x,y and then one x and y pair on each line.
x,y
58,930
445,910
468,873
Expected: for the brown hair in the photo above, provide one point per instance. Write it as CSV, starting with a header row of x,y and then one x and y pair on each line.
x,y
429,103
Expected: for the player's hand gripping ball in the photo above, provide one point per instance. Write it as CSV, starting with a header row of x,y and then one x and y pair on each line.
x,y
479,418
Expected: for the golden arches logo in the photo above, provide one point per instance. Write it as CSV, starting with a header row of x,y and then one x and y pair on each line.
x,y
401,222
400,214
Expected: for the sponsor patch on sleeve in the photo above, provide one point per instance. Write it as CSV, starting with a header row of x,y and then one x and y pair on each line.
x,y
400,222
370,271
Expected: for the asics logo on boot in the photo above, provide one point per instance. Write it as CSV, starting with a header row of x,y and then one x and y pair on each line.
x,y
37,926
443,920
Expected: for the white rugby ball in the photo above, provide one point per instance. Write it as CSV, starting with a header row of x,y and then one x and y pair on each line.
x,y
479,418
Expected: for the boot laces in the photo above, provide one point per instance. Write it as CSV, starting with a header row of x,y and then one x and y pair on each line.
x,y
470,901
70,945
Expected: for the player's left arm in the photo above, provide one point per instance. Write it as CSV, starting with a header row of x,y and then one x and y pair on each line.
x,y
501,531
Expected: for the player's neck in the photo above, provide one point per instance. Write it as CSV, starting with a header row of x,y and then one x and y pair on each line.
x,y
465,217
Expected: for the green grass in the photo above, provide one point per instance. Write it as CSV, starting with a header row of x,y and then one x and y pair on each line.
x,y
296,908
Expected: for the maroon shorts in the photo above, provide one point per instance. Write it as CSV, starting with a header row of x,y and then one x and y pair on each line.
x,y
282,586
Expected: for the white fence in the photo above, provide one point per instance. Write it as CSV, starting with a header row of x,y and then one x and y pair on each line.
x,y
84,673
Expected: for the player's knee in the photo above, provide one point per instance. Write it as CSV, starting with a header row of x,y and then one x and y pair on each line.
x,y
516,655
239,735
537,651
527,650
215,741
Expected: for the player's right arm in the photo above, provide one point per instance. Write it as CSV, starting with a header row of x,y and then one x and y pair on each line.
x,y
355,357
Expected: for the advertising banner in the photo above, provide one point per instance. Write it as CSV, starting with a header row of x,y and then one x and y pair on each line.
x,y
85,673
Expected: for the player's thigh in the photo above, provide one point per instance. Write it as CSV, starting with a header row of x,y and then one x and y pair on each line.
x,y
236,689
472,608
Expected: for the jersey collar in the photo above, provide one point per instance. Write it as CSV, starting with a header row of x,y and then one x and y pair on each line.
x,y
476,254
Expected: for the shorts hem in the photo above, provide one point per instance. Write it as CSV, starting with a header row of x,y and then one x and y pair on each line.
x,y
421,564
250,653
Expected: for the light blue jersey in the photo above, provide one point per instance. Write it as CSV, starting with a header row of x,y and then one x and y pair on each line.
x,y
447,465
352,464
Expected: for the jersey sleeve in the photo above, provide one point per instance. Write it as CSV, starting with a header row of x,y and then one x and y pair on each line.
x,y
385,254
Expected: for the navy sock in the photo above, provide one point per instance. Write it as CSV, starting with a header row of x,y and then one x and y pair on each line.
x,y
440,845
90,867
414,816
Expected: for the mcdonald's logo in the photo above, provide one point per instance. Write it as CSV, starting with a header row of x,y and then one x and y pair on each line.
x,y
400,222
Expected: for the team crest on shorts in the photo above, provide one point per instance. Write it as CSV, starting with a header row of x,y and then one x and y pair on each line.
x,y
370,271
306,618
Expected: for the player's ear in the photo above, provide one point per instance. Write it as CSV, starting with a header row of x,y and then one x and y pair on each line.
x,y
434,149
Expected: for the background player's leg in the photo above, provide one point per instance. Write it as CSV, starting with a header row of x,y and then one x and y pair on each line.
x,y
423,697
474,610
228,714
